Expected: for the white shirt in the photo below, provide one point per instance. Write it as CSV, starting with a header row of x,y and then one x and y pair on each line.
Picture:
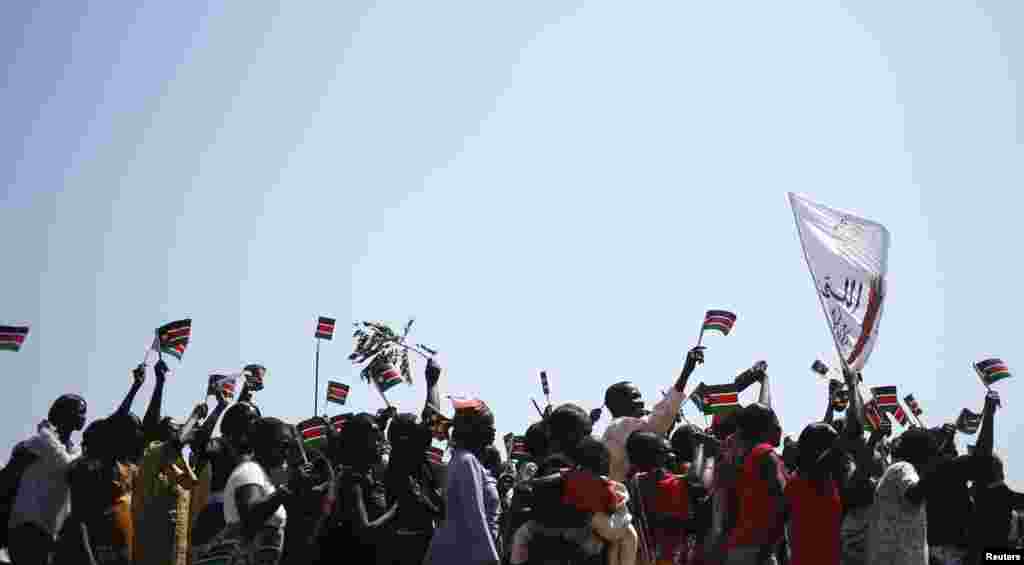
x,y
659,421
249,473
898,531
44,496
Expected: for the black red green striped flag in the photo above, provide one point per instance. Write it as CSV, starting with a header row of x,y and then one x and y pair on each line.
x,y
338,422
873,418
719,399
992,370
337,392
173,337
719,320
12,337
435,455
325,328
518,450
915,408
314,432
888,400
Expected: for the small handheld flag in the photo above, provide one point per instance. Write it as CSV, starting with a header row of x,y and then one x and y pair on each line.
x,y
337,392
886,398
518,451
325,328
384,374
968,422
901,416
873,419
314,432
721,321
820,368
12,337
720,399
173,338
435,455
338,422
223,382
915,408
254,375
991,371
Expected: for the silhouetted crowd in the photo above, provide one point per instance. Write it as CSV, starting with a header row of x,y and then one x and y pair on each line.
x,y
653,490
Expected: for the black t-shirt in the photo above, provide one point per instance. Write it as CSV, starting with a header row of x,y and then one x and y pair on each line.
x,y
993,511
949,501
412,514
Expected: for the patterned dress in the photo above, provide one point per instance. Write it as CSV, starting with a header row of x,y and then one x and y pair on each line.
x,y
898,531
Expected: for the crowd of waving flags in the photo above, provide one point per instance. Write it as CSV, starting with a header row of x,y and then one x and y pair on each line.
x,y
846,256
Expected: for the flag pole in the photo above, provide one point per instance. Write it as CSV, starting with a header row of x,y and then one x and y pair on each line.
x,y
316,380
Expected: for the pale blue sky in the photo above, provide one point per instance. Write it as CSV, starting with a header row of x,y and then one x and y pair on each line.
x,y
556,185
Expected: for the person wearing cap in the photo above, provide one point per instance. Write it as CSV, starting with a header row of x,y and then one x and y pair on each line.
x,y
626,405
43,501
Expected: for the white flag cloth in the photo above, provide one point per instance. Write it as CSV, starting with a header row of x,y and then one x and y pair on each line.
x,y
848,258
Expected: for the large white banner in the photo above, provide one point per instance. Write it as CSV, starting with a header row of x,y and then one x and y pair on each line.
x,y
848,258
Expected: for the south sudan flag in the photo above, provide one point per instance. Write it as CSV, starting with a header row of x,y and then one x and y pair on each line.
x,y
518,451
325,328
435,455
173,337
12,337
254,375
719,399
901,416
314,432
719,320
887,399
337,392
992,370
338,422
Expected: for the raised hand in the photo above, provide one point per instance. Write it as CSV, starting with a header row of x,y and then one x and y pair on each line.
x,y
139,375
200,412
160,369
433,372
992,399
694,357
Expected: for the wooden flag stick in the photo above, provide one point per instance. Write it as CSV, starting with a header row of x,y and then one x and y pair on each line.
x,y
316,379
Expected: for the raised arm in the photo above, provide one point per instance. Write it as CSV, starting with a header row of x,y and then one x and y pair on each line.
x,y
151,422
201,443
138,377
985,438
663,415
433,402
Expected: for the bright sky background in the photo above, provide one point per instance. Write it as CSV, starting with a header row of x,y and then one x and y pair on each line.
x,y
556,185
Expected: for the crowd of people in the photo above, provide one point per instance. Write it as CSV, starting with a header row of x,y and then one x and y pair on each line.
x,y
652,490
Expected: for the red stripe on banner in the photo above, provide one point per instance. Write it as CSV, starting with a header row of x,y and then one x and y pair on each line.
x,y
887,400
12,338
719,320
177,332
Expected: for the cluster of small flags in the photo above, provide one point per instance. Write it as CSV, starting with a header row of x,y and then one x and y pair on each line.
x,y
719,320
325,328
172,338
12,337
991,370
337,392
968,422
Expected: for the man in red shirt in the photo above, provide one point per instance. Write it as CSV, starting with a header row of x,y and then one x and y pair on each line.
x,y
760,481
